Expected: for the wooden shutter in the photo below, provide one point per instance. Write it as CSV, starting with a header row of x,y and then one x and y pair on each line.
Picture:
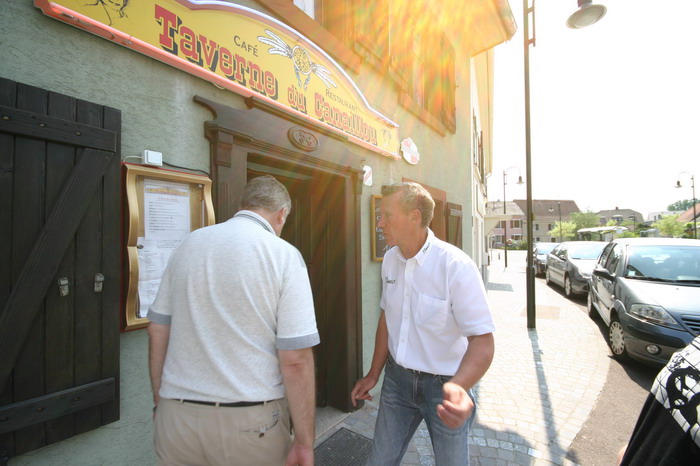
x,y
454,224
373,30
449,116
438,222
59,217
400,42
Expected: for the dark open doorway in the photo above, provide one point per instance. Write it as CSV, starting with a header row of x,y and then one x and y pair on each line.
x,y
315,226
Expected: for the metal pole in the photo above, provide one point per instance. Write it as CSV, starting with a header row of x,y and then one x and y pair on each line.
x,y
695,215
530,272
505,223
560,232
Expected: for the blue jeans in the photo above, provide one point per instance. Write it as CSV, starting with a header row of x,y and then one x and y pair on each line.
x,y
407,398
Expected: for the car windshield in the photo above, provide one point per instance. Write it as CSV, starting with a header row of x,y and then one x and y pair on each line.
x,y
664,262
545,248
586,251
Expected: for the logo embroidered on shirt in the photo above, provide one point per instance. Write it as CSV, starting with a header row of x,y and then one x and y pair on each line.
x,y
390,282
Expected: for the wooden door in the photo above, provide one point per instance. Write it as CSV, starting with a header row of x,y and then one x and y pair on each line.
x,y
59,267
314,226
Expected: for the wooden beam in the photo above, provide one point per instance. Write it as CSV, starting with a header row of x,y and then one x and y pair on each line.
x,y
36,125
44,408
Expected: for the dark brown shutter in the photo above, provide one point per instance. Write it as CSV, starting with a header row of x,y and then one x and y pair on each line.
x,y
59,208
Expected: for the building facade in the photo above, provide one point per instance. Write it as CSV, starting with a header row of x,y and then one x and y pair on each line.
x,y
512,226
505,226
333,98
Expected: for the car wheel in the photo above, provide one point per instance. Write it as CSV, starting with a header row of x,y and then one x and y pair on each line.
x,y
547,280
567,287
616,340
592,312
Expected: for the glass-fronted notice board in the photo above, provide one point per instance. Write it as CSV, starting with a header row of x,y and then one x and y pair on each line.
x,y
162,207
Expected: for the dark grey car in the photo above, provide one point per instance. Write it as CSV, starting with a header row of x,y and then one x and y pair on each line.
x,y
570,265
539,256
647,290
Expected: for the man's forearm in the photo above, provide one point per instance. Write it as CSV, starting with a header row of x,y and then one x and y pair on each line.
x,y
158,338
299,383
476,361
381,347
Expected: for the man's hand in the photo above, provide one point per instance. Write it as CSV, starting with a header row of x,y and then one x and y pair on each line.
x,y
300,455
456,406
362,388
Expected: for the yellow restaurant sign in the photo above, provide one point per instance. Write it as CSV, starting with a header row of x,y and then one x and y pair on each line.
x,y
239,49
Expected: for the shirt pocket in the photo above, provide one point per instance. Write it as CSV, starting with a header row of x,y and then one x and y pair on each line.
x,y
431,312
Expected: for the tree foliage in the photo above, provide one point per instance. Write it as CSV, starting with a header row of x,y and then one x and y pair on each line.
x,y
585,219
680,206
670,226
565,230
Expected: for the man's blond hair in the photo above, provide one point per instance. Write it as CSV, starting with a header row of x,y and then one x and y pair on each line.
x,y
413,196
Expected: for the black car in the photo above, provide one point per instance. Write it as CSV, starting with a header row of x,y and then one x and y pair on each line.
x,y
539,256
647,290
570,264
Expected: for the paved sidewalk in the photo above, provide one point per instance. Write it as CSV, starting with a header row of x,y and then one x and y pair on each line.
x,y
541,387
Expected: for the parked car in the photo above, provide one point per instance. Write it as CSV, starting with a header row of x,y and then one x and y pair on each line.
x,y
647,290
570,265
539,256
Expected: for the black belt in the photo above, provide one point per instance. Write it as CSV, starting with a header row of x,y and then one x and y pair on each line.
x,y
238,404
415,371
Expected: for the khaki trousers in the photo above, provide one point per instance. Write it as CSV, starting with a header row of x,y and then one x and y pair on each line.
x,y
192,434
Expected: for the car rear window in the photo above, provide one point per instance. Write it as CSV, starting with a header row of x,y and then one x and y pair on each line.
x,y
586,251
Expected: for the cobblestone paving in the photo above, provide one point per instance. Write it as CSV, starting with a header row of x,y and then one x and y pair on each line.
x,y
540,389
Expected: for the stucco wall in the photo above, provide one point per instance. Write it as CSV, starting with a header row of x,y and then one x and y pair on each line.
x,y
158,114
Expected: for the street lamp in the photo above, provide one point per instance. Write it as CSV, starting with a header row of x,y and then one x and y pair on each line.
x,y
692,185
586,15
505,222
551,209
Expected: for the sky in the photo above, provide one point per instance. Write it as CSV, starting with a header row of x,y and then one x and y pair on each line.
x,y
614,107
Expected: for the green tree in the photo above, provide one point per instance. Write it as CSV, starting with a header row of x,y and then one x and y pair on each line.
x,y
680,206
670,226
585,219
565,230
632,229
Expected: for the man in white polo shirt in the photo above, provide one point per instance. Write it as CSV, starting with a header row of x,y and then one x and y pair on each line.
x,y
434,334
231,334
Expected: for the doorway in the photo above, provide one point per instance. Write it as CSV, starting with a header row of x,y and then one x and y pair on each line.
x,y
316,227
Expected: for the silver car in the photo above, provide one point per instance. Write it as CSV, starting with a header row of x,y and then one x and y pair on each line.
x,y
647,290
570,265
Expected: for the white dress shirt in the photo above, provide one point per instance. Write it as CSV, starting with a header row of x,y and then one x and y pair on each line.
x,y
432,302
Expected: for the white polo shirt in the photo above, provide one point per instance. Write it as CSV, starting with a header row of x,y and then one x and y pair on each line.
x,y
432,302
233,294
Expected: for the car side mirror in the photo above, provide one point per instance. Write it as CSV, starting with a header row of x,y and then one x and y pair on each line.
x,y
602,272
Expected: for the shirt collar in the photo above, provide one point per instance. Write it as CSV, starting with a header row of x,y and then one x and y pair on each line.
x,y
252,216
424,250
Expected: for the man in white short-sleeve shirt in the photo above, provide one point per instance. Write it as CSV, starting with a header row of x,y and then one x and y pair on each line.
x,y
434,334
231,334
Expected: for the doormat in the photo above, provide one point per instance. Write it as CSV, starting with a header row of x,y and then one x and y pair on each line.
x,y
344,447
